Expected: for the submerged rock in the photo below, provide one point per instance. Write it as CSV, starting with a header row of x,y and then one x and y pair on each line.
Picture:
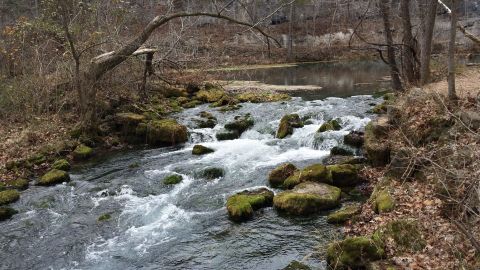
x,y
313,173
307,198
173,179
9,196
53,177
240,206
341,151
240,123
82,152
354,138
278,175
343,175
296,265
330,125
353,253
287,124
7,213
206,123
61,164
225,134
201,150
212,173
166,132
104,217
344,214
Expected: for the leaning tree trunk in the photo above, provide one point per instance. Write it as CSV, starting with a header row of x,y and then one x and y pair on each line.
x,y
410,69
428,12
395,74
451,52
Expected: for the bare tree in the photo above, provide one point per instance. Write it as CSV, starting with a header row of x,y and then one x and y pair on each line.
x,y
409,48
428,12
451,51
395,74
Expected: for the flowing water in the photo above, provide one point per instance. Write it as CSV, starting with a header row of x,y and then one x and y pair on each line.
x,y
185,226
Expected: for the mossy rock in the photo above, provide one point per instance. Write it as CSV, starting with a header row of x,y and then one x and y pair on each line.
x,y
53,177
225,101
353,253
354,138
19,184
173,179
377,152
307,198
382,201
191,104
3,186
344,214
225,134
82,152
296,265
240,123
405,233
240,206
230,108
61,164
37,159
7,213
166,132
380,108
201,150
212,173
278,175
313,173
210,95
9,196
330,125
344,175
128,122
381,93
206,123
260,97
207,115
287,124
341,151
104,217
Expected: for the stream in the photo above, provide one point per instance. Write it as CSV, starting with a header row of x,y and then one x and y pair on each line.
x,y
186,226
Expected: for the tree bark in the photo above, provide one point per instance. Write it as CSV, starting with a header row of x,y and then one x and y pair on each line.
x,y
395,74
428,12
451,51
290,32
409,48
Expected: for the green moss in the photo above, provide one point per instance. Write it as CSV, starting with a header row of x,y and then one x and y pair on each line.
x,y
19,184
405,233
9,196
212,173
224,101
344,175
260,97
7,213
389,96
61,164
201,150
378,153
129,118
166,132
330,125
3,186
210,95
307,198
295,265
287,124
380,108
344,214
240,123
191,104
207,115
104,217
82,152
53,177
313,173
278,175
173,179
382,201
229,108
353,252
206,123
241,206
37,159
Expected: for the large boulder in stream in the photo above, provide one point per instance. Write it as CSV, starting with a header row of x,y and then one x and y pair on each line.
x,y
235,128
307,198
240,206
166,132
313,173
329,126
344,175
201,150
278,175
128,122
53,177
82,152
287,124
354,138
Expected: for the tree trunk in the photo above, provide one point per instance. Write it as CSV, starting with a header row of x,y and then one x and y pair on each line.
x,y
428,12
409,47
395,74
290,32
451,51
